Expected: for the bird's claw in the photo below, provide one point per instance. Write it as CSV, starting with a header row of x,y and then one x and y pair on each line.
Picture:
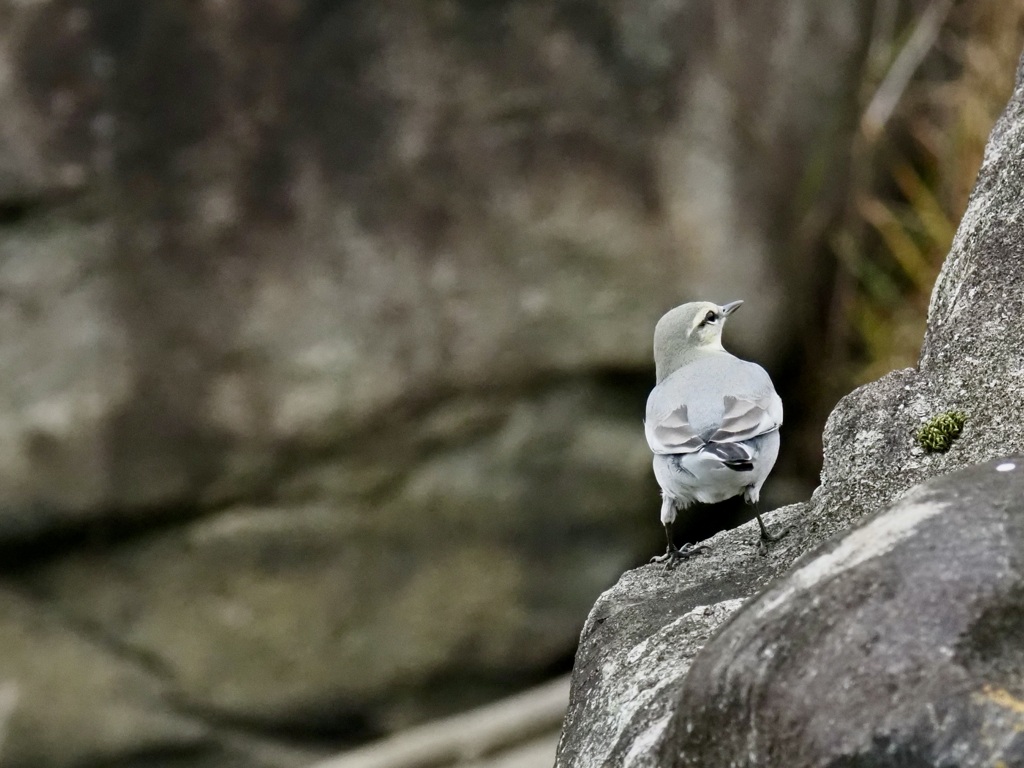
x,y
767,538
672,557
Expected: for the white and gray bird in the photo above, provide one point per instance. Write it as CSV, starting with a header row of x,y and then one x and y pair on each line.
x,y
712,419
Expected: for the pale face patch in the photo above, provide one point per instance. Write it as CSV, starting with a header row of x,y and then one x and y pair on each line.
x,y
704,332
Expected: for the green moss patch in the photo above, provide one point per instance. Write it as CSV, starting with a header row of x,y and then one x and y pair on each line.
x,y
939,432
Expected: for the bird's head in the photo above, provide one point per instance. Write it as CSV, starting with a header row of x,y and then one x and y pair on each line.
x,y
687,329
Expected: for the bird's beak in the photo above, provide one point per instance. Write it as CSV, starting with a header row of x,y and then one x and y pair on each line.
x,y
732,306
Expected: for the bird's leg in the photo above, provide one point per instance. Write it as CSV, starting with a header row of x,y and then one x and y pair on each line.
x,y
674,554
766,538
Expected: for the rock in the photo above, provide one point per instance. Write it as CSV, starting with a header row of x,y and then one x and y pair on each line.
x,y
297,633
642,634
653,667
971,362
306,225
898,644
23,168
294,615
313,312
67,699
66,366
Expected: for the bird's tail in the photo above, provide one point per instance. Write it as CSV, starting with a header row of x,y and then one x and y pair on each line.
x,y
735,456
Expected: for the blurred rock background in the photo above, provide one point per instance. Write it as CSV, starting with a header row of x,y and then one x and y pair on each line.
x,y
325,327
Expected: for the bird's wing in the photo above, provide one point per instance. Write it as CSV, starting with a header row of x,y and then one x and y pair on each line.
x,y
672,433
747,417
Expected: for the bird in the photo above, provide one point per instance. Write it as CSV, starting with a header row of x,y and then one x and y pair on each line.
x,y
712,420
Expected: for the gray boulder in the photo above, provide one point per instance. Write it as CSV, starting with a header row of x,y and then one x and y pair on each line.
x,y
642,634
251,253
899,644
972,361
68,698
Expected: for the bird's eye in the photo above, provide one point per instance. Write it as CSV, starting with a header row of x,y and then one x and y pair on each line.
x,y
710,317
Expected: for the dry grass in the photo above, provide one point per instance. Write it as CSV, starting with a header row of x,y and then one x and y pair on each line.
x,y
912,175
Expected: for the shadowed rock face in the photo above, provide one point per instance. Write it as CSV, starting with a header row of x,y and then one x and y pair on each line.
x,y
325,330
648,712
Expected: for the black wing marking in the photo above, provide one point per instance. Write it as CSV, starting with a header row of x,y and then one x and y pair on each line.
x,y
735,456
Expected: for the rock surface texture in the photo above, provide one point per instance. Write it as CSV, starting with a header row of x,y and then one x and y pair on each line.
x,y
325,332
897,645
626,704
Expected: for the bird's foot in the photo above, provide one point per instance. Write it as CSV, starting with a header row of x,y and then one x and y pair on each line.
x,y
767,538
673,556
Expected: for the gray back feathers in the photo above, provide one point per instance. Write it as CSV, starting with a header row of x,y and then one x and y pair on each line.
x,y
716,397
